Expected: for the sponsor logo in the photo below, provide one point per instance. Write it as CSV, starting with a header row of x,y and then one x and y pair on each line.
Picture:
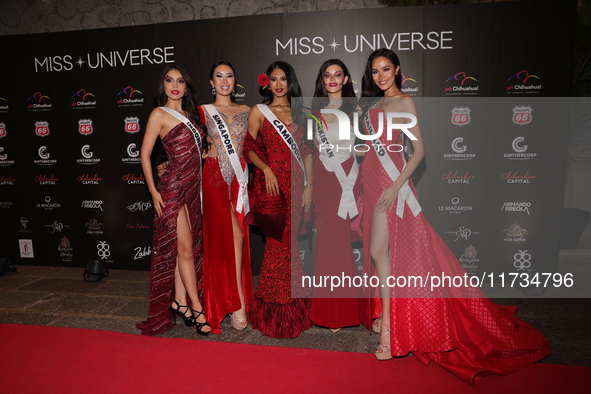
x,y
3,105
522,115
459,149
522,260
24,225
470,260
110,59
3,132
349,43
39,102
523,83
103,250
519,150
4,162
460,116
137,225
45,180
92,204
516,177
56,226
66,251
133,155
132,124
86,179
85,126
7,180
132,179
83,100
409,85
44,157
463,233
461,84
455,207
87,156
515,233
240,94
139,206
94,227
516,207
141,252
130,97
5,204
42,128
48,205
455,177
26,248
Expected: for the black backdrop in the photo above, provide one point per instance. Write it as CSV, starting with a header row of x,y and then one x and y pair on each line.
x,y
73,107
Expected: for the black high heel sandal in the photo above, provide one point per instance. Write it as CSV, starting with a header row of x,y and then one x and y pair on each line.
x,y
189,320
199,326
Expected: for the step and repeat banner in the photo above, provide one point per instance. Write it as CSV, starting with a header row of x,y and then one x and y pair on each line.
x,y
486,77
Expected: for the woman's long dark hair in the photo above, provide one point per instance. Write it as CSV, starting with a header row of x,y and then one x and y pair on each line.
x,y
348,93
368,86
293,90
225,63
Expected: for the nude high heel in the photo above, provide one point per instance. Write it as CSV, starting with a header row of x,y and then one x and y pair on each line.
x,y
383,352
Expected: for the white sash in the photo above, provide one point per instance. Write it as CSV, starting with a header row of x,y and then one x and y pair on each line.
x,y
187,123
285,135
347,204
241,175
405,193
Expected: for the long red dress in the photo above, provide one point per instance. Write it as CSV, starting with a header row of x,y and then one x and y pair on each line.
x,y
180,185
273,310
470,337
220,194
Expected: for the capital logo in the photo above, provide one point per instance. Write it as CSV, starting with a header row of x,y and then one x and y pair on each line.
x,y
460,116
523,206
132,179
519,149
522,260
516,177
461,84
515,233
132,124
85,126
408,85
86,179
129,97
2,130
133,155
42,128
7,180
522,115
44,157
83,99
523,82
4,162
455,177
46,180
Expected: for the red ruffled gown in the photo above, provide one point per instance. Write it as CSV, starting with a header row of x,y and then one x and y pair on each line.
x,y
180,185
470,337
273,311
220,193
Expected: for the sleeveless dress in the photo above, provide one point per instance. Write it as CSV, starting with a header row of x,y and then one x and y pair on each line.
x,y
273,311
220,193
180,185
333,255
470,337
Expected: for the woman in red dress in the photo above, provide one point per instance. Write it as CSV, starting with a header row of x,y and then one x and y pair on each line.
x,y
176,245
227,275
277,309
461,330
334,195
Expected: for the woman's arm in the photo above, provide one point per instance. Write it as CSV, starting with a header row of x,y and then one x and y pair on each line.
x,y
255,122
153,129
307,196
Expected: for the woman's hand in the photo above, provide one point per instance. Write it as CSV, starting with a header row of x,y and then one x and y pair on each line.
x,y
162,168
387,198
307,198
158,202
271,182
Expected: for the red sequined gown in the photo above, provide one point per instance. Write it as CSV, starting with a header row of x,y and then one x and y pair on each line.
x,y
273,311
470,337
220,194
180,185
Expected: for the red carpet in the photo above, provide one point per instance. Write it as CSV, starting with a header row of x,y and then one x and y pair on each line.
x,y
35,359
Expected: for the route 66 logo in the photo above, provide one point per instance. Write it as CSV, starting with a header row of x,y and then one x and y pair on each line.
x,y
132,124
85,126
460,116
522,260
2,130
522,115
42,128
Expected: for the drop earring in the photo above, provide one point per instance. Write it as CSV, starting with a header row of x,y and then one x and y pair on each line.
x,y
213,90
234,92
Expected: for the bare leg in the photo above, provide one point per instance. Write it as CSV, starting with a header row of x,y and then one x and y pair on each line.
x,y
380,253
186,263
180,293
238,316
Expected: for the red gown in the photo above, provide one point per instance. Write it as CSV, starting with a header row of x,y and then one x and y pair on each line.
x,y
180,185
273,311
470,337
220,193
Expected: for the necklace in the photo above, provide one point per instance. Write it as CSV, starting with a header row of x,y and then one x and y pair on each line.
x,y
335,105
